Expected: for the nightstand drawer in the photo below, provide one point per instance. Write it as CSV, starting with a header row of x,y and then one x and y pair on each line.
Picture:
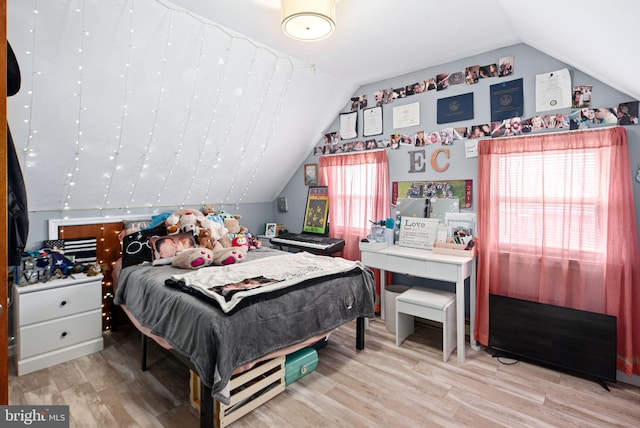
x,y
40,338
59,302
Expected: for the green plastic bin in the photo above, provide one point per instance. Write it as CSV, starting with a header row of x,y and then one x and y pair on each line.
x,y
300,364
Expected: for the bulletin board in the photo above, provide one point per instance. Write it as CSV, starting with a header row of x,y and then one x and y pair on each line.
x,y
462,189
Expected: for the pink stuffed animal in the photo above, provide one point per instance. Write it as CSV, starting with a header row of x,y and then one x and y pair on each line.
x,y
240,241
193,258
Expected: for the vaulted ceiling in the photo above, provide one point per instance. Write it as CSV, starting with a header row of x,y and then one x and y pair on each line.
x,y
140,104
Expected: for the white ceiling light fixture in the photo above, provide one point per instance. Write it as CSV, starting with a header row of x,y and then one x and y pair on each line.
x,y
308,20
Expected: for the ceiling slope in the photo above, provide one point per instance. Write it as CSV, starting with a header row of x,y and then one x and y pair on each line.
x,y
132,104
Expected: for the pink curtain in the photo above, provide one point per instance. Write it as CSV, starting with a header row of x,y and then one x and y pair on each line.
x,y
358,192
557,224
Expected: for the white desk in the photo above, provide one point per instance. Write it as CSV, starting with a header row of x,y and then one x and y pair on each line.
x,y
426,264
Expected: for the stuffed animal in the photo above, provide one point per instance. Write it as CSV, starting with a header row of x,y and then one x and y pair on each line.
x,y
228,256
189,223
212,235
217,229
254,243
204,238
183,220
196,258
240,241
94,270
225,215
209,209
232,225
193,258
172,224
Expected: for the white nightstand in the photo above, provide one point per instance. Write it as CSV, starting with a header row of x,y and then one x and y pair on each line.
x,y
57,321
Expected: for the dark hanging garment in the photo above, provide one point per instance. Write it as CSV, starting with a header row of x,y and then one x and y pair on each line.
x,y
18,215
13,72
18,219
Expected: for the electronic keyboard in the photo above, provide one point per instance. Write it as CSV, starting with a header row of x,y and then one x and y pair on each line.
x,y
312,243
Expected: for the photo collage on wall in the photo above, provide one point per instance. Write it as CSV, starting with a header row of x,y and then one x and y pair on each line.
x,y
445,136
582,115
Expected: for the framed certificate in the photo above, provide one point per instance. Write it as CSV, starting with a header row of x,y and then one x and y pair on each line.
x,y
348,125
372,121
407,115
455,109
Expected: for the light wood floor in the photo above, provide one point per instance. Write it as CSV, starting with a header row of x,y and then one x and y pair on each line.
x,y
382,386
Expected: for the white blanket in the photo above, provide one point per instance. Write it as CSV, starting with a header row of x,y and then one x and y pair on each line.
x,y
229,284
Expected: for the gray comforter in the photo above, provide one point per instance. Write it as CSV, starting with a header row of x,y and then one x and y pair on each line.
x,y
217,343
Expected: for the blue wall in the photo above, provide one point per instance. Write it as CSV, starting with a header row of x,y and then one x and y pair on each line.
x,y
529,62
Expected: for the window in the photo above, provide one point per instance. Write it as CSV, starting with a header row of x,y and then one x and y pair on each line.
x,y
358,192
551,200
353,205
557,224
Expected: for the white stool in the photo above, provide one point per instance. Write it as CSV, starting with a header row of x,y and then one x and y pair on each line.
x,y
431,304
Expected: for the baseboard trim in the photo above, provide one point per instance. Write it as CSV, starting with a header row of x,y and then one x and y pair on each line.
x,y
633,380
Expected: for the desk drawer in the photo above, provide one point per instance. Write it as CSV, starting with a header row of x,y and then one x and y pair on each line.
x,y
40,338
442,271
59,302
423,268
374,260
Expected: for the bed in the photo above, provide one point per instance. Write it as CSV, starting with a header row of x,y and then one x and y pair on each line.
x,y
221,336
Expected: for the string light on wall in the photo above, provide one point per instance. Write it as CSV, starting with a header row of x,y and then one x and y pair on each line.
x,y
274,122
114,158
231,123
249,137
203,157
29,153
156,112
226,118
77,144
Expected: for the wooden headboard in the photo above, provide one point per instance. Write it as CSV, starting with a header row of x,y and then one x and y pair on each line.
x,y
108,250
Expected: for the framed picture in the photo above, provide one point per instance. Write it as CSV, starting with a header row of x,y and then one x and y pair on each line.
x,y
283,205
270,230
348,125
372,121
311,174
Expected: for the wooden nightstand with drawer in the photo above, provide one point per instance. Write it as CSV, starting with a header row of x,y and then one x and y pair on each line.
x,y
57,321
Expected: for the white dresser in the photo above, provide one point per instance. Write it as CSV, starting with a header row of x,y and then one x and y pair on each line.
x,y
57,321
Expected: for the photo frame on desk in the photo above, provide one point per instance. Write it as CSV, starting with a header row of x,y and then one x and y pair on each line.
x,y
416,232
270,230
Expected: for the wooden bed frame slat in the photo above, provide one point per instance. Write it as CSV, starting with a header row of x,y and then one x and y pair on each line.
x,y
246,394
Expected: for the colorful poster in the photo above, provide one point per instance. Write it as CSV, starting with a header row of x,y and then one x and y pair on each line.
x,y
462,189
